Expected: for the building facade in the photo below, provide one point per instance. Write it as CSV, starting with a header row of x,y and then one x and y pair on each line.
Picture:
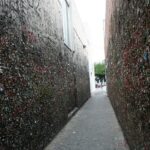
x,y
44,70
127,47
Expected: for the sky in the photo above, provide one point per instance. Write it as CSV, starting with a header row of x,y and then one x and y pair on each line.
x,y
92,13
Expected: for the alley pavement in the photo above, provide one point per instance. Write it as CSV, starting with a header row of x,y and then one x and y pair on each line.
x,y
94,127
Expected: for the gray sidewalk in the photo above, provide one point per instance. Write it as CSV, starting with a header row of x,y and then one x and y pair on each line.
x,y
94,127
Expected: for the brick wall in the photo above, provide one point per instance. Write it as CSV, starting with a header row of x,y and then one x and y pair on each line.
x,y
128,72
41,80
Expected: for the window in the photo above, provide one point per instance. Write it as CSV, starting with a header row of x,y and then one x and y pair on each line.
x,y
67,22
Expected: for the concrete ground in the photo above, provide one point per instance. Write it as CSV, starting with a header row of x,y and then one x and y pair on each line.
x,y
94,127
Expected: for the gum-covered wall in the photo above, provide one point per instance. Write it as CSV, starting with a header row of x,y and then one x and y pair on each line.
x,y
128,69
41,80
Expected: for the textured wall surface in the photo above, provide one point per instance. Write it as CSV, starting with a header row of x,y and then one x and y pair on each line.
x,y
41,80
128,71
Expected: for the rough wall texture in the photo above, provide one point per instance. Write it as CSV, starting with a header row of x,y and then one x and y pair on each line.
x,y
40,79
109,11
128,71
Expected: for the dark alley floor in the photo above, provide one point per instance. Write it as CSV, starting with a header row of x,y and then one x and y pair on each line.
x,y
94,127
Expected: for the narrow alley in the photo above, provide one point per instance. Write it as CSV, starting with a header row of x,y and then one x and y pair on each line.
x,y
94,127
55,56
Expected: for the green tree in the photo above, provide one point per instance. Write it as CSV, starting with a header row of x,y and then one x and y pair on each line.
x,y
100,68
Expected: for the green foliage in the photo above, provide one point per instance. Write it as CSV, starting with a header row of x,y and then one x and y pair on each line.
x,y
100,68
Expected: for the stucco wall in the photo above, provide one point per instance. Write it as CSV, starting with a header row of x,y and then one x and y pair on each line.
x,y
40,78
128,72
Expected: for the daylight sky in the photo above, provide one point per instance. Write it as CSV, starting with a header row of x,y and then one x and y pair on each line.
x,y
92,13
